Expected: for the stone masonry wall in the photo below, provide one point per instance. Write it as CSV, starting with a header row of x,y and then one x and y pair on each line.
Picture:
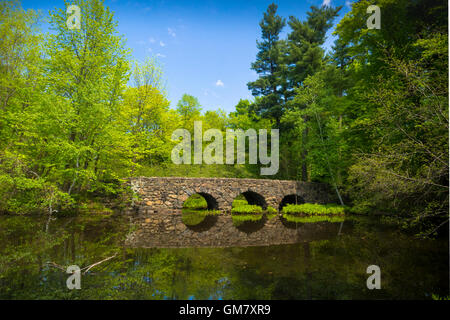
x,y
170,192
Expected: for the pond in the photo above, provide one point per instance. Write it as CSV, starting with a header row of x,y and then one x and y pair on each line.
x,y
318,264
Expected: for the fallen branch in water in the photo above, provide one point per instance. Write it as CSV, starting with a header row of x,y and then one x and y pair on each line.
x,y
435,229
97,263
85,269
52,264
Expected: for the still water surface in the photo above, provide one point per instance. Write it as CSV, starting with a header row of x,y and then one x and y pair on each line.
x,y
32,263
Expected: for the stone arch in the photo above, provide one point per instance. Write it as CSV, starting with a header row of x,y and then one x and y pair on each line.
x,y
255,198
291,199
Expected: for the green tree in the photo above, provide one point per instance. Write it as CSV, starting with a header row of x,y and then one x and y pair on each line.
x,y
87,70
144,108
305,58
23,185
189,108
398,131
268,66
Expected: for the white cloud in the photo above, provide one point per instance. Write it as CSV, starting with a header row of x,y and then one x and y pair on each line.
x,y
326,3
151,40
348,4
159,55
171,32
162,44
219,83
149,49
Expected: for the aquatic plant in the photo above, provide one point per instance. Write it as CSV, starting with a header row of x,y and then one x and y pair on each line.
x,y
247,208
314,209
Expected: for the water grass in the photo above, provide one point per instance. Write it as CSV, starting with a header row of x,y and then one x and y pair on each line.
x,y
238,203
247,209
251,213
314,209
195,201
271,212
313,212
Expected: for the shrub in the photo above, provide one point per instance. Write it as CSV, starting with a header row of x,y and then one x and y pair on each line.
x,y
271,213
271,210
238,203
195,201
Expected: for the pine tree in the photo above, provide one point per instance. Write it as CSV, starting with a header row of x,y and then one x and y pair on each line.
x,y
305,53
268,65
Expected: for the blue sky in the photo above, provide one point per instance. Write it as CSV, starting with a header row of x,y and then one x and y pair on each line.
x,y
205,46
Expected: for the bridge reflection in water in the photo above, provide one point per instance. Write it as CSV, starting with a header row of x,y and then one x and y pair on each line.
x,y
165,229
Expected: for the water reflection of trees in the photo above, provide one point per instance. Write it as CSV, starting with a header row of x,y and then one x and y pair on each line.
x,y
321,269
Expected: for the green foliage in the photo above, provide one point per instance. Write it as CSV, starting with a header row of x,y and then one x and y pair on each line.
x,y
401,165
314,209
246,208
195,201
271,210
438,297
239,203
189,109
195,210
269,66
63,137
370,117
243,213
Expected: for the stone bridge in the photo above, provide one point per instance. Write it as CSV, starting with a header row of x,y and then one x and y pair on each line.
x,y
171,192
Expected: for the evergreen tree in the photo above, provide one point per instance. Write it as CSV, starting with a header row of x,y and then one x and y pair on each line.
x,y
268,65
305,53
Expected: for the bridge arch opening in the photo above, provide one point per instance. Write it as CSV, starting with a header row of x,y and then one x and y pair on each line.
x,y
291,199
196,214
252,198
201,200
